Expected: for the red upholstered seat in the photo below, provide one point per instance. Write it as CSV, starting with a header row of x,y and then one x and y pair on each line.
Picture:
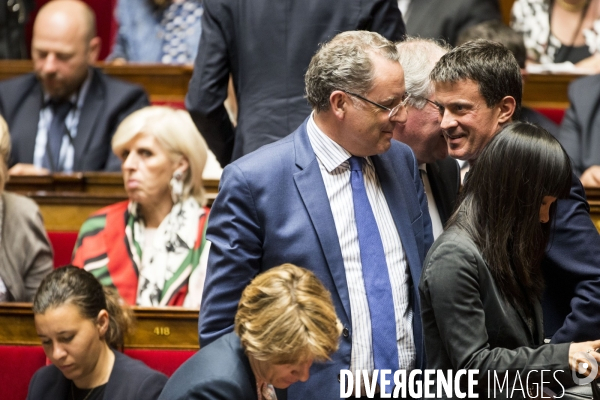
x,y
554,114
17,366
165,361
63,244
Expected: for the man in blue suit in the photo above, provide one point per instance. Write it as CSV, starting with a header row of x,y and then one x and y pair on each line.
x,y
297,201
474,107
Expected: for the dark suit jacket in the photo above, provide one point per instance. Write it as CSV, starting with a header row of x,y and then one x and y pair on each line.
x,y
129,380
536,117
273,208
444,178
468,324
580,128
572,272
267,47
443,19
107,103
219,371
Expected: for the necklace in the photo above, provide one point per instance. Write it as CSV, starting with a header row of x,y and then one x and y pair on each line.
x,y
86,396
572,7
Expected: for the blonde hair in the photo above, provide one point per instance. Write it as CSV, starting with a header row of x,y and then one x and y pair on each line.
x,y
4,152
286,316
176,133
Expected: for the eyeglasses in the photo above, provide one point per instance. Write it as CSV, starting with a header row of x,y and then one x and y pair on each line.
x,y
439,107
393,111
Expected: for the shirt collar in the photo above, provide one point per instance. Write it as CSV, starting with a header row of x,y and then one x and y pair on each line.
x,y
329,153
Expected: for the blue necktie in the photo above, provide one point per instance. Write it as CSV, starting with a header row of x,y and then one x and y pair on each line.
x,y
375,274
56,132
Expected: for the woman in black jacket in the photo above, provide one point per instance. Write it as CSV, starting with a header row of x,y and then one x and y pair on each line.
x,y
482,283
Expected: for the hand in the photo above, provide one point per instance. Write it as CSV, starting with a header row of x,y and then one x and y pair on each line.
x,y
119,61
27,169
591,64
591,176
576,358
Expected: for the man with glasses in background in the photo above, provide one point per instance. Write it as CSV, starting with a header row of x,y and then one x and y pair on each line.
x,y
422,131
338,196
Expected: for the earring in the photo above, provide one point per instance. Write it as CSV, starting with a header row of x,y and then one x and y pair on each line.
x,y
176,186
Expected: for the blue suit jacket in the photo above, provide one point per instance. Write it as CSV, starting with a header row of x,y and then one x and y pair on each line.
x,y
272,208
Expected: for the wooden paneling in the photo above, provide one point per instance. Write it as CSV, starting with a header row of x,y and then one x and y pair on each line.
x,y
66,200
164,83
156,328
593,196
505,7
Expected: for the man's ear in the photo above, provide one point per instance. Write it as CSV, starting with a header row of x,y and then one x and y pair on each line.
x,y
338,101
94,50
507,108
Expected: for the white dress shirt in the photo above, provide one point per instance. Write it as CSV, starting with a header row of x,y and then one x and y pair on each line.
x,y
335,170
67,151
436,221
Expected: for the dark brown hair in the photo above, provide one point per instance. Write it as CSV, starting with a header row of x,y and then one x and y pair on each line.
x,y
500,207
78,287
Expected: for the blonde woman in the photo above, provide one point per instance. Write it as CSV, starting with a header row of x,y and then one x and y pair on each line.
x,y
285,321
152,248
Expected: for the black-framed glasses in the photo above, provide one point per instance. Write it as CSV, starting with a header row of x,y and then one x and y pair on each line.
x,y
393,111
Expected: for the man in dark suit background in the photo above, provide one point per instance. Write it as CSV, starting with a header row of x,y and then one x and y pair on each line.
x,y
422,132
580,129
443,19
305,199
62,118
474,108
266,47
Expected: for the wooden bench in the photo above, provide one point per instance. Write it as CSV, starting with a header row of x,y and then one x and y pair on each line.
x,y
163,339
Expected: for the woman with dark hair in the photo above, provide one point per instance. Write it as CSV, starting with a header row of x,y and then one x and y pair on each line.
x,y
481,283
80,324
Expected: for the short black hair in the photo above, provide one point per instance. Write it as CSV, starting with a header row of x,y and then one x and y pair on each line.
x,y
497,31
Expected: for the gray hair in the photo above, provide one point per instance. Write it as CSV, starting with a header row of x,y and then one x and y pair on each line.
x,y
418,57
344,63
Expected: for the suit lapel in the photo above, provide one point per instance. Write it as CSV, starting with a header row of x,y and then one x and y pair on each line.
x,y
92,106
27,123
391,184
433,174
312,191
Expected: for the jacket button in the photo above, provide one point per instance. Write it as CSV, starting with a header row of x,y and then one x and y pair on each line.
x,y
345,332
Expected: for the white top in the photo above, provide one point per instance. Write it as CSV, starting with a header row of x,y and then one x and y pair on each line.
x,y
335,170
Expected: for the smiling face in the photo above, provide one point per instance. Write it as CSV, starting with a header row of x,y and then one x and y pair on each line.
x,y
422,133
71,342
467,122
368,129
282,376
147,171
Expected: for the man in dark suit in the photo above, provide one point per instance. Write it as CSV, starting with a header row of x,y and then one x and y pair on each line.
x,y
422,132
443,19
474,107
580,129
305,200
266,47
62,118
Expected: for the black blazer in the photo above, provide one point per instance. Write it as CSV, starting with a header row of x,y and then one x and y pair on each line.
x,y
444,178
266,46
444,19
220,371
129,380
107,103
467,322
